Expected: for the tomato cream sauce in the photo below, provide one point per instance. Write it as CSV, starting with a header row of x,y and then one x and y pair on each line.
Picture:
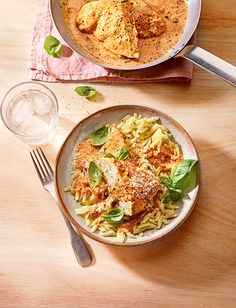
x,y
174,13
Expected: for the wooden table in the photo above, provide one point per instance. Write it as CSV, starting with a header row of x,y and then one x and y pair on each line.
x,y
192,267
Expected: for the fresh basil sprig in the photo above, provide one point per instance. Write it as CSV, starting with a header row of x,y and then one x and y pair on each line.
x,y
52,46
173,193
122,153
181,172
86,91
109,155
99,136
114,215
95,174
167,180
171,196
179,179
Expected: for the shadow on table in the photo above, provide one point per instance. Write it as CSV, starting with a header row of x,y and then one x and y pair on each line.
x,y
184,91
52,147
202,251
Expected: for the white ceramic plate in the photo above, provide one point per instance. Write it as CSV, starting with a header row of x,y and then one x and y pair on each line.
x,y
64,168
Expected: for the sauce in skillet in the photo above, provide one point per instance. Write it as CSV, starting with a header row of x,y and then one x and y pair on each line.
x,y
174,13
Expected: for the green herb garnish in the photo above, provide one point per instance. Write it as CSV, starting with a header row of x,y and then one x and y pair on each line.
x,y
122,153
99,136
52,46
181,172
109,155
171,196
95,174
179,179
114,215
167,181
86,91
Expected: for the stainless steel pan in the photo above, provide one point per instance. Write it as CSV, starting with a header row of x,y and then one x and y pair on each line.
x,y
194,54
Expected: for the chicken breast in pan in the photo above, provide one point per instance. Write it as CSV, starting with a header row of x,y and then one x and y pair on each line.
x,y
148,21
119,23
113,23
125,32
116,28
88,16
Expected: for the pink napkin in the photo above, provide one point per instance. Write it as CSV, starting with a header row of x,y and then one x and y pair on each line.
x,y
73,67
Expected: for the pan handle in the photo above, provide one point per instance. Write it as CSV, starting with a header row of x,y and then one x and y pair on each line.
x,y
211,63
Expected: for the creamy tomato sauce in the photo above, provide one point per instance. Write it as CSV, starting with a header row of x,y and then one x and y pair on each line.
x,y
174,12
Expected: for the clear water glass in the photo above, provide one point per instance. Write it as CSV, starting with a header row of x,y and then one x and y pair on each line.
x,y
30,111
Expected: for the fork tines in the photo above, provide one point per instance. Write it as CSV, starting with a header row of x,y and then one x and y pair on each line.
x,y
42,165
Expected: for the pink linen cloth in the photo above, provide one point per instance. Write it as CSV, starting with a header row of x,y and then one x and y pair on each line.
x,y
73,67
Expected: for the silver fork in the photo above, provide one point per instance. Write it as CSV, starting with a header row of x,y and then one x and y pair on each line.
x,y
46,174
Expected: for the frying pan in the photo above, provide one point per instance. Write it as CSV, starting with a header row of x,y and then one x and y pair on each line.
x,y
192,53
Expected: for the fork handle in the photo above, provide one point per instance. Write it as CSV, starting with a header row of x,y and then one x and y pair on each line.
x,y
81,252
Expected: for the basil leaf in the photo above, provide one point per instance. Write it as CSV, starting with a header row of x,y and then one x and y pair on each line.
x,y
166,199
122,153
114,215
95,174
52,46
171,196
109,155
181,173
99,136
169,183
86,91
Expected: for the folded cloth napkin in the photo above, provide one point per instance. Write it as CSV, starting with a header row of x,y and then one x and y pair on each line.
x,y
73,67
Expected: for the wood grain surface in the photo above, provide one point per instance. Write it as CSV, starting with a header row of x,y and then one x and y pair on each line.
x,y
192,267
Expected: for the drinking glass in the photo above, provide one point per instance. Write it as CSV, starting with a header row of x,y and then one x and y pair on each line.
x,y
30,111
